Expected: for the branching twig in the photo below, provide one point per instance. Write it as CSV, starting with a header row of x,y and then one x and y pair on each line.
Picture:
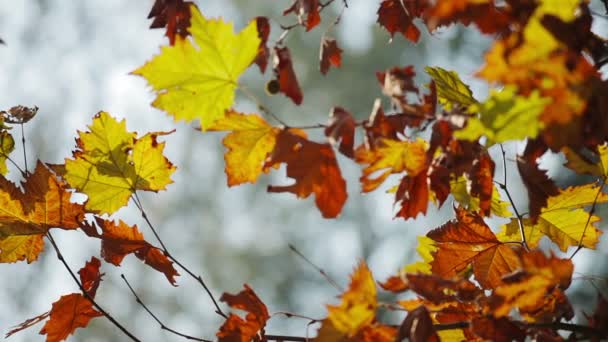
x,y
198,278
162,325
504,187
85,293
591,212
319,269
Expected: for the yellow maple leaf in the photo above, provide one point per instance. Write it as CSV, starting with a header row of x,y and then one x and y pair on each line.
x,y
358,306
110,164
579,164
390,157
21,247
197,79
450,89
462,194
425,249
563,220
505,116
249,142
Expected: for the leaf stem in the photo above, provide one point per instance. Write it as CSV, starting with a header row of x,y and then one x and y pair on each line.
x,y
85,293
162,325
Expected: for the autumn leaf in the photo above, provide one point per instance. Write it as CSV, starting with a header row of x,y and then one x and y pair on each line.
x,y
460,189
307,12
7,145
45,204
390,157
249,142
90,278
286,76
110,164
196,79
172,14
450,89
263,27
358,303
425,249
69,313
418,327
497,329
483,13
505,116
398,17
580,164
330,54
341,127
235,328
469,241
439,290
21,247
314,168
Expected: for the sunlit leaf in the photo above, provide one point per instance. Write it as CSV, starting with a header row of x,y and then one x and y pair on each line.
x,y
235,328
450,89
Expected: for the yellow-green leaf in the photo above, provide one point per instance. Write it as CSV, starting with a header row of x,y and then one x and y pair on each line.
x,y
450,89
196,79
7,145
110,164
505,116
460,189
249,142
563,220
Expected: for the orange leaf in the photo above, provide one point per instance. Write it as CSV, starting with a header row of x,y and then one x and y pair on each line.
x,y
330,53
236,328
119,239
483,13
468,240
358,306
90,276
307,12
497,329
315,170
283,70
341,127
397,16
438,290
68,313
418,327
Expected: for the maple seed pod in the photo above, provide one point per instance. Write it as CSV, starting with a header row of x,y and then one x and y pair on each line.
x,y
273,87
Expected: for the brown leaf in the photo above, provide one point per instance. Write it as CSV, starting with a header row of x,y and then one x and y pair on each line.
x,y
469,241
307,12
283,70
314,168
397,16
412,196
486,16
69,313
28,323
418,327
599,319
438,290
482,185
19,114
341,127
540,187
497,329
172,14
263,52
235,328
395,284
330,54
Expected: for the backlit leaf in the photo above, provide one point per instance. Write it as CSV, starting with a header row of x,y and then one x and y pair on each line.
x,y
249,142
505,116
172,14
196,79
450,89
460,190
286,76
69,313
396,18
21,247
110,164
331,54
7,145
580,164
235,328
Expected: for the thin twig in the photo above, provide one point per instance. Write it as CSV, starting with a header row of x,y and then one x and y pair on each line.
x,y
86,293
591,212
162,325
285,338
260,105
198,278
504,187
319,269
24,152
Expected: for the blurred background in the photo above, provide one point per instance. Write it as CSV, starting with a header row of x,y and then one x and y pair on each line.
x,y
73,58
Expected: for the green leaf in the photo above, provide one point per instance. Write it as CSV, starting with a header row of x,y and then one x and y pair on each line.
x,y
450,89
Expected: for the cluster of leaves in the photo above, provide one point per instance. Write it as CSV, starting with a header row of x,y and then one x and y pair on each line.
x,y
470,279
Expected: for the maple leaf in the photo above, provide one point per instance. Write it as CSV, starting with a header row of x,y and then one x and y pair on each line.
x,y
534,289
357,308
263,27
580,164
69,313
450,89
45,204
284,73
341,127
397,16
563,220
390,157
505,116
438,290
110,164
329,54
469,241
483,13
249,142
196,79
21,247
7,145
174,14
307,12
314,168
235,328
